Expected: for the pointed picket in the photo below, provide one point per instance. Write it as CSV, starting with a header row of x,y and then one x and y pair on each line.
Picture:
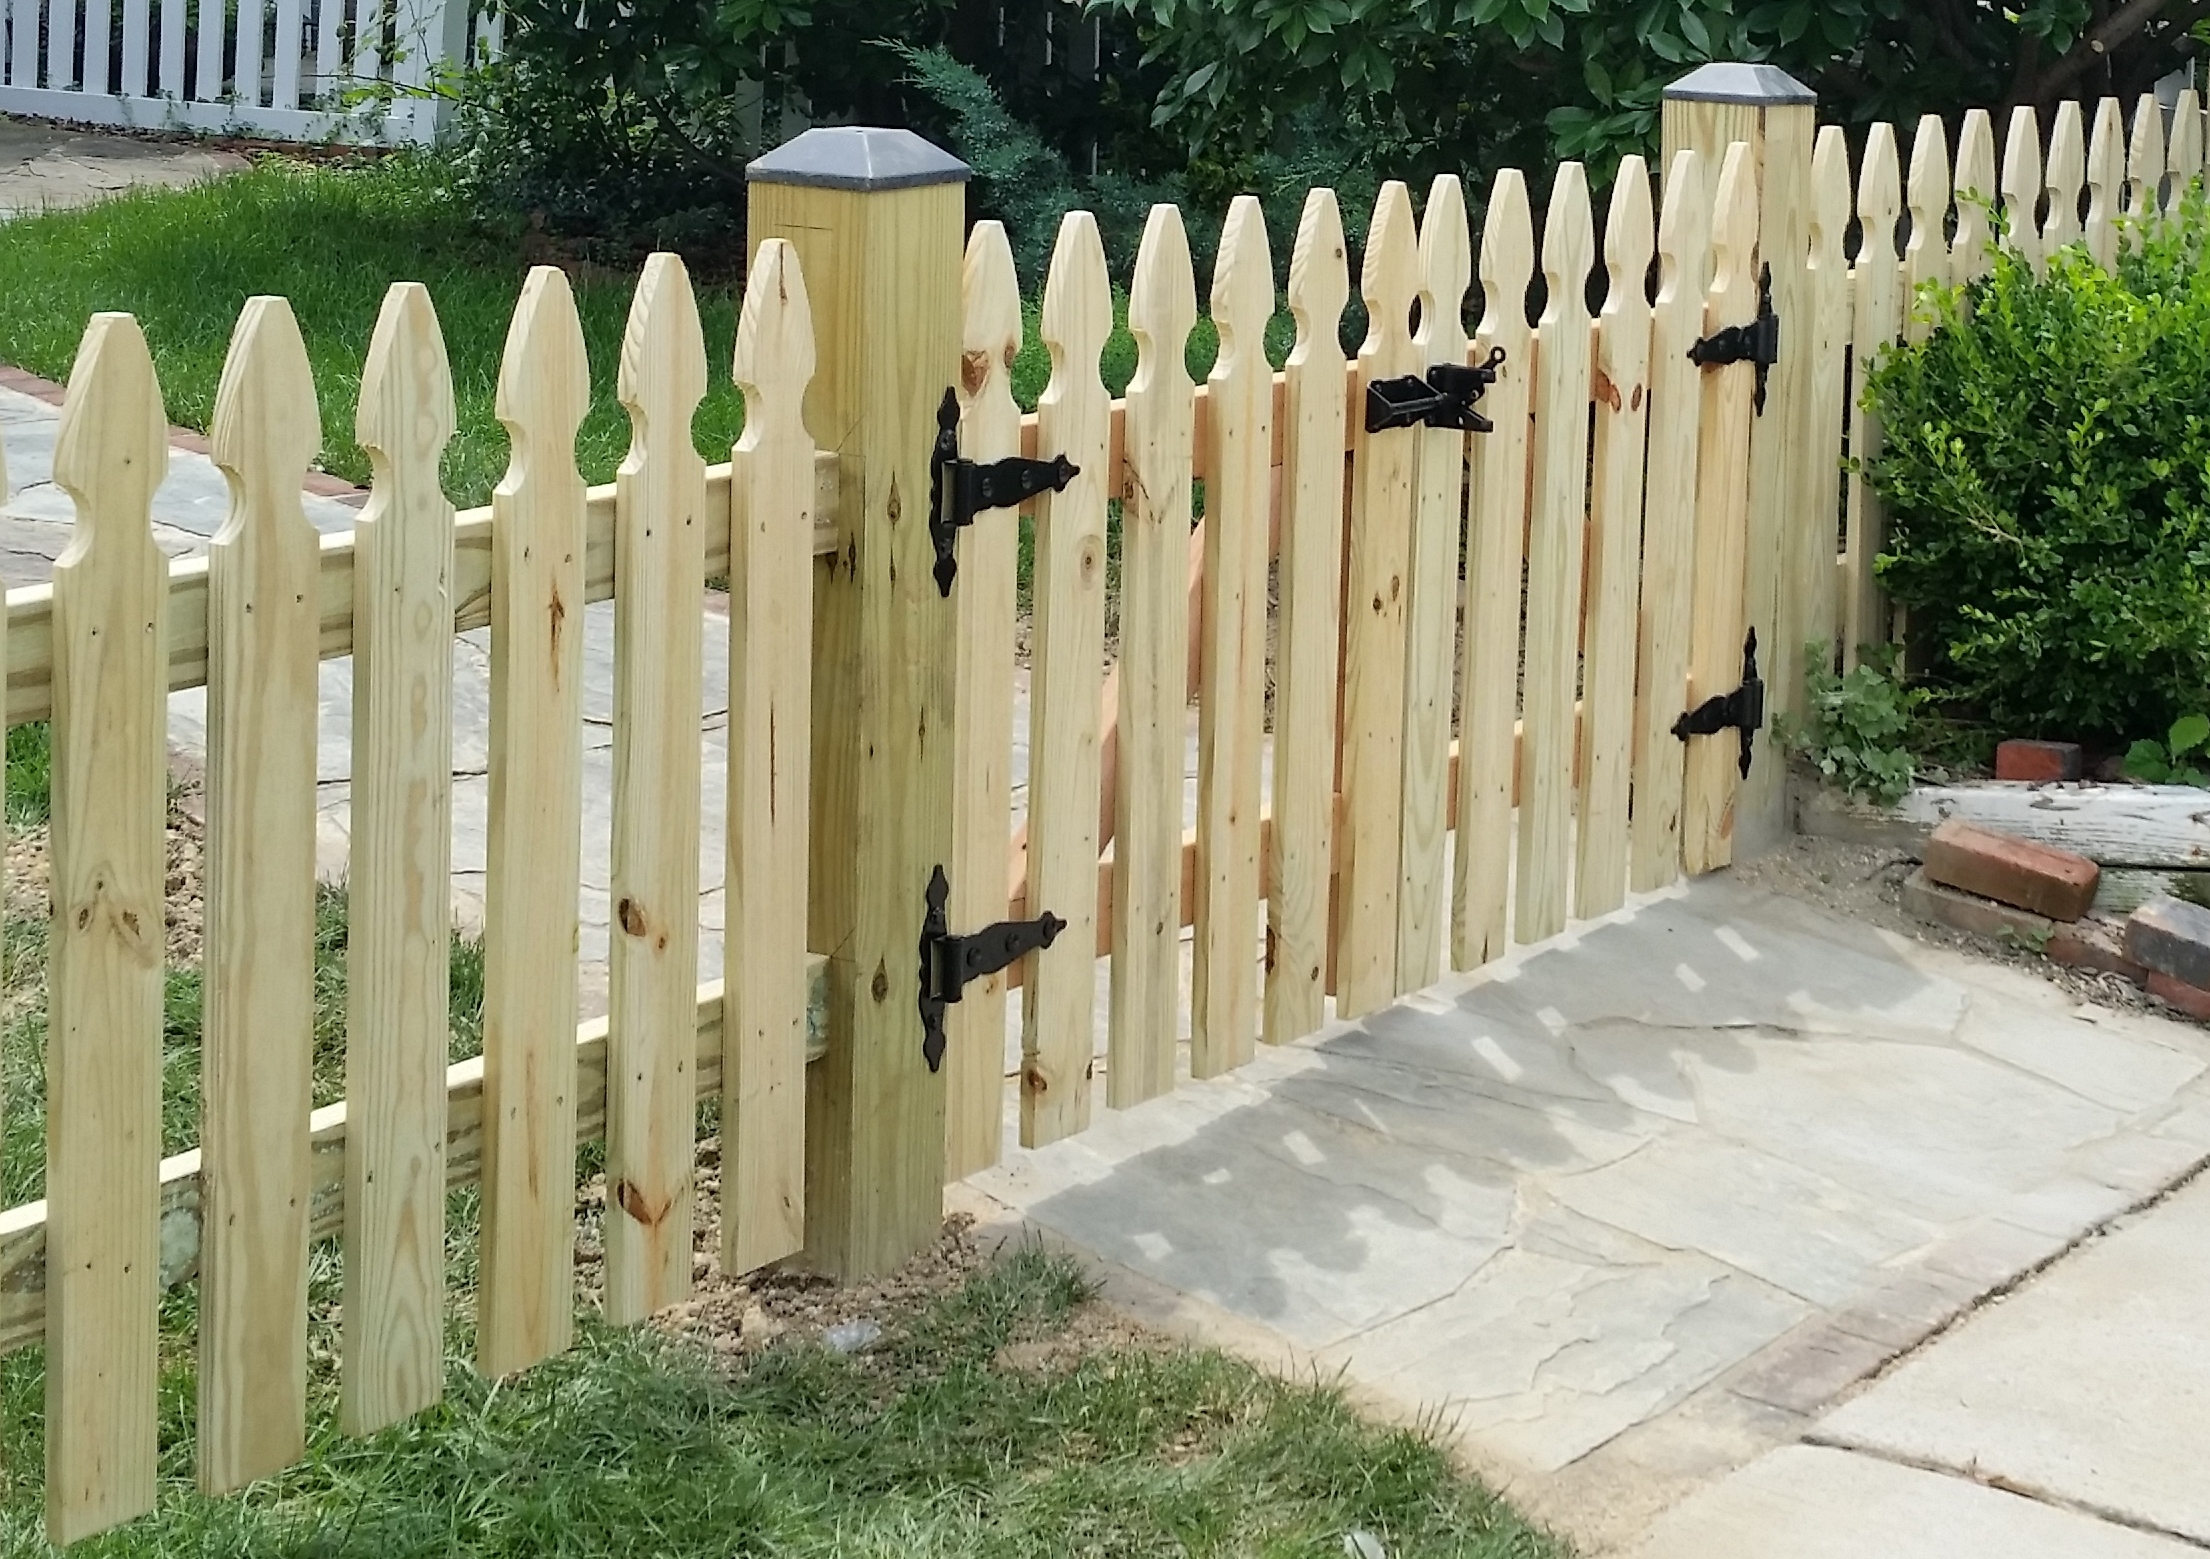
x,y
1926,259
525,1306
1615,542
2022,186
1969,258
103,1034
982,732
1154,664
2186,148
2147,162
400,910
1308,575
2106,174
2067,174
1488,675
1374,650
1431,595
1073,419
1555,534
1825,409
258,967
763,1066
652,1018
1715,654
1877,317
1669,522
1232,700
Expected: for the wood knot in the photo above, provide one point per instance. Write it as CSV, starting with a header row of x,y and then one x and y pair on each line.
x,y
880,986
632,916
637,1206
974,371
1608,392
1034,1082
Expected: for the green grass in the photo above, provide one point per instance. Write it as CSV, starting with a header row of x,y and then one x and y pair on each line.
x,y
332,238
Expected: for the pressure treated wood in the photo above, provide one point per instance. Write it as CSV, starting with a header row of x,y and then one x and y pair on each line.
x,y
1431,595
2106,174
1621,389
258,958
1488,670
763,1111
1308,575
2023,185
654,879
1073,417
1876,319
2186,148
1154,678
524,1308
103,1038
392,1361
1374,629
2067,174
1975,184
1926,251
1722,526
1557,526
1669,522
982,733
1824,404
2147,162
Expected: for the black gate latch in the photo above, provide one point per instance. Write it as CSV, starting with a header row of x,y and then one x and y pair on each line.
x,y
961,489
1756,342
1742,709
948,962
1444,399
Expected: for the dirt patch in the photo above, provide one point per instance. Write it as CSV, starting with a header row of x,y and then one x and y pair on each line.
x,y
1862,882
184,885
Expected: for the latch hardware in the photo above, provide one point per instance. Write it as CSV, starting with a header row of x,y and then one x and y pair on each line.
x,y
1756,342
948,962
961,489
1444,399
1743,709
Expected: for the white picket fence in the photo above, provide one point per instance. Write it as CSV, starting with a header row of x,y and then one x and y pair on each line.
x,y
294,70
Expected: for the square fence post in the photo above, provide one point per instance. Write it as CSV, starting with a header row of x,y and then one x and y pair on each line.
x,y
878,220
1777,116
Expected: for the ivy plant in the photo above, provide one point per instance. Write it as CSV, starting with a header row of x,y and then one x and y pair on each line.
x,y
2177,759
1857,729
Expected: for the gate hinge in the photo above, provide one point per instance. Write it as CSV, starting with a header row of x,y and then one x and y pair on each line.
x,y
961,489
1444,399
1756,342
948,962
1743,709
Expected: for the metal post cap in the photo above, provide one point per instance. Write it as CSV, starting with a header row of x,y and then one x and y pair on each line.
x,y
857,157
1734,82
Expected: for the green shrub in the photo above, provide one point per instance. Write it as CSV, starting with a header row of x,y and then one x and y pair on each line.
x,y
2047,472
2176,760
1858,732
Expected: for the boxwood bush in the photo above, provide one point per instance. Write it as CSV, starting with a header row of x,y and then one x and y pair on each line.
x,y
2047,471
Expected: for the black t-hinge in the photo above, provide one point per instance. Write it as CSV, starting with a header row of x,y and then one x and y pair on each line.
x,y
1756,342
948,962
1444,399
961,489
1743,709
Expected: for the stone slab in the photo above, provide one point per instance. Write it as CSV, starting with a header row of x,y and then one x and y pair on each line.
x,y
2090,1385
45,168
1807,1502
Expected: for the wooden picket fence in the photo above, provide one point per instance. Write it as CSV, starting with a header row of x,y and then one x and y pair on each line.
x,y
1479,646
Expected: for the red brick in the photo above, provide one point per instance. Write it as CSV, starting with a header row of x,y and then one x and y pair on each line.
x,y
1998,866
2024,760
2190,999
1929,900
2171,937
2094,944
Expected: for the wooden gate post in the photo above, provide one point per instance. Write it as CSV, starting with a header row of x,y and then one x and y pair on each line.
x,y
877,218
1777,117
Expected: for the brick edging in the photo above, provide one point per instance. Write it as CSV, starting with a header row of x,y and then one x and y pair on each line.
x,y
320,483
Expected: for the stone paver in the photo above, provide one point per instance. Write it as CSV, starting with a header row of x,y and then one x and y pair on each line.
x,y
1808,1503
2090,1386
1692,1171
43,168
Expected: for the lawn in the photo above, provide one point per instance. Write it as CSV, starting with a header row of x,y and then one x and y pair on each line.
x,y
332,237
974,1427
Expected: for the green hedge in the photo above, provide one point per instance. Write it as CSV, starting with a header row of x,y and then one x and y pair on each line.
x,y
2047,471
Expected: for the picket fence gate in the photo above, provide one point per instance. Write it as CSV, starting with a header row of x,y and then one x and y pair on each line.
x,y
1568,583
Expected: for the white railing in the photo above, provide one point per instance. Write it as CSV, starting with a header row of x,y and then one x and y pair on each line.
x,y
294,70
